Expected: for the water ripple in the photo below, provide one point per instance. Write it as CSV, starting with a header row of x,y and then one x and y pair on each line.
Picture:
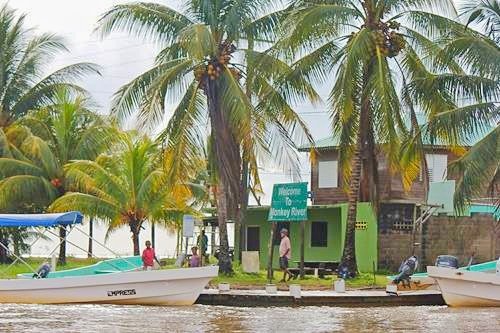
x,y
114,318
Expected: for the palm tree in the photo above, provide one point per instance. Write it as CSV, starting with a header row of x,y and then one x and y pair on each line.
x,y
201,67
42,143
486,13
479,172
23,60
124,188
386,56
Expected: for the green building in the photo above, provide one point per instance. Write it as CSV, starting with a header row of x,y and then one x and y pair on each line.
x,y
324,235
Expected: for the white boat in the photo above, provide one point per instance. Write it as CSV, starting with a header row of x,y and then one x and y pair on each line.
x,y
161,287
115,281
464,288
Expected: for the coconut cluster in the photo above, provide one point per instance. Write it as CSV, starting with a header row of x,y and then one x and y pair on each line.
x,y
212,69
388,40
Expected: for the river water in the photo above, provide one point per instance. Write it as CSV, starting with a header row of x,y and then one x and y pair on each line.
x,y
199,318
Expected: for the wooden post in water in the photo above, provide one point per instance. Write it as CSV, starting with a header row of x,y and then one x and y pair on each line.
x,y
270,253
302,236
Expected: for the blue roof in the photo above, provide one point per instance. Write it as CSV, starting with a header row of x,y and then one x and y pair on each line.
x,y
40,220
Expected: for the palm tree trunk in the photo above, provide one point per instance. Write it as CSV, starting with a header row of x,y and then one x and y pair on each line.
x,y
363,154
349,256
244,195
135,229
244,192
225,265
62,246
135,241
228,162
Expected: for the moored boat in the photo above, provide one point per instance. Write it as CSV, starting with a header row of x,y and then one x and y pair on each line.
x,y
161,287
466,288
114,281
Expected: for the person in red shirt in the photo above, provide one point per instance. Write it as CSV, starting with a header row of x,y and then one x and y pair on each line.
x,y
148,257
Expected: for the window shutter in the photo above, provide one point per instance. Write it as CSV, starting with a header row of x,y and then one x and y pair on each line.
x,y
438,167
328,174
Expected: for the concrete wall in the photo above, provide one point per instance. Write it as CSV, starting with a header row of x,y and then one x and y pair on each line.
x,y
458,236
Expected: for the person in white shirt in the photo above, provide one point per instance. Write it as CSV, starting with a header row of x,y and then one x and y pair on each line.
x,y
285,255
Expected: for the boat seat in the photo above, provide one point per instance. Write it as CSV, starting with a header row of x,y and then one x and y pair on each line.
x,y
103,271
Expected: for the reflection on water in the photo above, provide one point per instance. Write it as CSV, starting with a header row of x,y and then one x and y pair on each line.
x,y
111,318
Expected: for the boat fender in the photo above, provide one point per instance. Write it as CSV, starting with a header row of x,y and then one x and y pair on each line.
x,y
43,271
498,266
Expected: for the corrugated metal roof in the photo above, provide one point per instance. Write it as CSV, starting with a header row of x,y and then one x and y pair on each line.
x,y
334,142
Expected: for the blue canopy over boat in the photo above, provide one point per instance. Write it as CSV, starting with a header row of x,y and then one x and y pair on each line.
x,y
40,220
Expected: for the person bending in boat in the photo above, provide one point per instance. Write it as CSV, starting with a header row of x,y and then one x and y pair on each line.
x,y
148,257
43,271
195,259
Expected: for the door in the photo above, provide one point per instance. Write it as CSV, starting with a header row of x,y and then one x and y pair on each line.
x,y
253,238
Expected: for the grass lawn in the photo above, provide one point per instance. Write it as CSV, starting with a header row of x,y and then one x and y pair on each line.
x,y
239,280
19,267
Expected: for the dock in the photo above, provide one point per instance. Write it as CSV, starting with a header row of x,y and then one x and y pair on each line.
x,y
350,298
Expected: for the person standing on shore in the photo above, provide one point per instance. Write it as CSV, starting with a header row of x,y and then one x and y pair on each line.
x,y
203,245
285,255
148,257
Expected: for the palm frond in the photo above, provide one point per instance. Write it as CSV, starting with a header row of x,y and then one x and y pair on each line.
x,y
45,91
10,167
129,97
485,13
40,153
18,189
151,21
182,135
478,169
86,203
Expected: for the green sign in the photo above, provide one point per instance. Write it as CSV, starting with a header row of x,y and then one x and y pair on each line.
x,y
289,202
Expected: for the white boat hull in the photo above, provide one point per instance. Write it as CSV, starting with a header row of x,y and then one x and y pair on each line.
x,y
463,288
161,287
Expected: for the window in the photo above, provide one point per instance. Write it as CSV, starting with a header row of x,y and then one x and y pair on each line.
x,y
396,217
279,226
437,165
253,238
319,234
328,174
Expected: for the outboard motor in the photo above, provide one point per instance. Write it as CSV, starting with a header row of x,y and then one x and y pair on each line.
x,y
446,261
406,269
344,273
43,271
